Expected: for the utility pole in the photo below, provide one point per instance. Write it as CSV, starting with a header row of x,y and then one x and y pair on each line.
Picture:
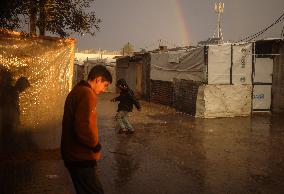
x,y
219,9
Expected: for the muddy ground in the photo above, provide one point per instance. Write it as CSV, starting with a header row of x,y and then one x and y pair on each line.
x,y
170,153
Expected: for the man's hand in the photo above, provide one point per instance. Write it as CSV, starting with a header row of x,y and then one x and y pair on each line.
x,y
112,100
97,148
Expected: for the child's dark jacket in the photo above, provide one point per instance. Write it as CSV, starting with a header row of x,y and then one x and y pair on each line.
x,y
126,100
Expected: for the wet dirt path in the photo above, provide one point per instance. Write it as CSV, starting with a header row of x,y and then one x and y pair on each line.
x,y
175,153
169,153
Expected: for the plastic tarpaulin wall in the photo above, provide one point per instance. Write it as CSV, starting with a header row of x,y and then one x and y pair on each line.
x,y
190,67
47,65
242,64
219,64
230,64
263,70
262,84
223,101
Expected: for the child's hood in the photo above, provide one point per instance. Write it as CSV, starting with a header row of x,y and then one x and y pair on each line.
x,y
121,82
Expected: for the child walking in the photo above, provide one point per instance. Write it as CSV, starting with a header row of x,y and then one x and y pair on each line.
x,y
126,100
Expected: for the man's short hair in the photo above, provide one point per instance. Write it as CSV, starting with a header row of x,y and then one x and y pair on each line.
x,y
100,70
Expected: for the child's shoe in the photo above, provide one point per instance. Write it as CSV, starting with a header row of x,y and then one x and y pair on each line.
x,y
121,131
130,131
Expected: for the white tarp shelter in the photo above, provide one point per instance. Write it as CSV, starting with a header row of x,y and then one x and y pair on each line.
x,y
234,79
226,64
229,89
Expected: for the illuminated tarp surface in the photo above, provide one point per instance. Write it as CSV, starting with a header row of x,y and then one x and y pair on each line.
x,y
47,64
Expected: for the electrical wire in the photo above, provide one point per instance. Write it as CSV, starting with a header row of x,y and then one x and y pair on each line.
x,y
249,38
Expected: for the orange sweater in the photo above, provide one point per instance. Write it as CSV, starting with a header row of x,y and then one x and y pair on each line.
x,y
79,125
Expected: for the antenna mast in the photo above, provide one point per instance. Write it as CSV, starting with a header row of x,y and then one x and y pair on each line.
x,y
219,9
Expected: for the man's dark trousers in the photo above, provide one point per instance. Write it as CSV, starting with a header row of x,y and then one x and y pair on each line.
x,y
85,180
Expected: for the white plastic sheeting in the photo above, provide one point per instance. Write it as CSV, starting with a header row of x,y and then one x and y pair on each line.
x,y
219,64
230,64
242,64
262,97
223,101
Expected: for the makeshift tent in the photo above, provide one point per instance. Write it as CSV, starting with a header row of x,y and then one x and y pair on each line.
x,y
219,68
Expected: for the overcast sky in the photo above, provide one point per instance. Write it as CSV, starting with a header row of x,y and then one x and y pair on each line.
x,y
178,22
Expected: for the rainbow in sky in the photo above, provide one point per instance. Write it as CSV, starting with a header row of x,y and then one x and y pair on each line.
x,y
182,22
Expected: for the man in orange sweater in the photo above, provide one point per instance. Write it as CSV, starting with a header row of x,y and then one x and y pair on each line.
x,y
80,147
